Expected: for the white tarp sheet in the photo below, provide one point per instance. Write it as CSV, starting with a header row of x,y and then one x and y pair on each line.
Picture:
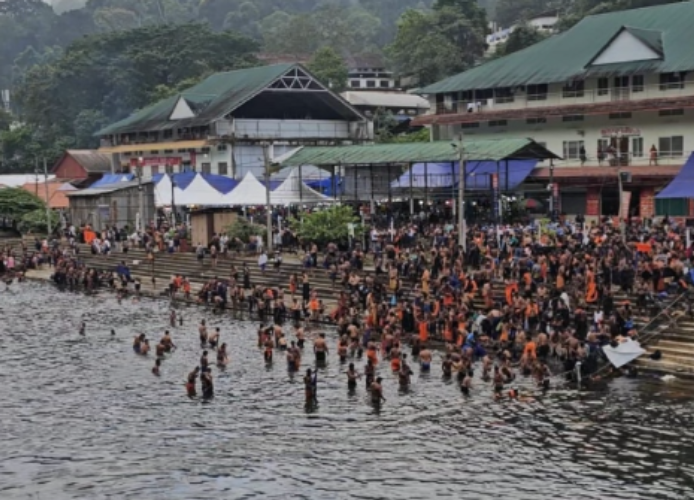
x,y
292,191
624,353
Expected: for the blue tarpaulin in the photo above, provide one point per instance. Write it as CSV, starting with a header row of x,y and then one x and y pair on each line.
x,y
477,175
682,186
112,179
325,186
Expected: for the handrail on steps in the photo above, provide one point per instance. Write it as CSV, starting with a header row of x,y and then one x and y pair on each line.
x,y
648,337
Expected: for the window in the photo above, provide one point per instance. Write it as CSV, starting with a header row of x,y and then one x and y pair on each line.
x,y
168,151
385,84
637,147
223,168
155,169
182,150
205,151
537,92
222,147
671,81
572,149
206,168
620,116
470,125
603,86
637,83
371,84
169,169
572,118
355,84
671,112
498,123
573,89
503,95
168,134
155,152
671,146
536,121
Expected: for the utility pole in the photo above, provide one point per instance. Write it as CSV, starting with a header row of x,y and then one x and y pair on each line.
x,y
173,199
552,201
141,201
48,201
462,237
268,203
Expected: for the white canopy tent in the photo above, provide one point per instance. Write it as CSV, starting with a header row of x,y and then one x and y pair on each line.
x,y
162,191
198,192
293,191
250,191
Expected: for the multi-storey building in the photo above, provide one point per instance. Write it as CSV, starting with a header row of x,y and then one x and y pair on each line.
x,y
221,124
613,94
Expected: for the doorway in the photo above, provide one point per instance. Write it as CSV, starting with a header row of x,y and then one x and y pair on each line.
x,y
619,151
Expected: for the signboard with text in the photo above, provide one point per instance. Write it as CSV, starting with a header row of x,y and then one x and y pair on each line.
x,y
156,161
620,131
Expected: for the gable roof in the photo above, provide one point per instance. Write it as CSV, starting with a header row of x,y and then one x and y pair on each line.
x,y
566,56
212,98
90,160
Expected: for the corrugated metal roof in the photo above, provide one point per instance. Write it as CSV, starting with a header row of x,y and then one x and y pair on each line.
x,y
216,96
565,56
91,160
417,152
385,99
108,188
155,146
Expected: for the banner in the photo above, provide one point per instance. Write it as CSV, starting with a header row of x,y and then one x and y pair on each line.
x,y
495,197
155,161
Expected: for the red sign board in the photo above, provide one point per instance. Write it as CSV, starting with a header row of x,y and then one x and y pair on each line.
x,y
156,161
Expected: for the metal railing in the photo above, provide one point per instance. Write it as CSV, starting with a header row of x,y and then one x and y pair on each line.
x,y
520,99
665,311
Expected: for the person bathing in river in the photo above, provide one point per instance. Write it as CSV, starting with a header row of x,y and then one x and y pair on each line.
x,y
206,383
310,383
204,362
377,392
352,376
447,367
300,337
137,342
342,350
293,358
405,373
320,349
268,349
156,367
202,331
213,338
425,359
222,357
466,384
168,343
190,384
144,348
369,373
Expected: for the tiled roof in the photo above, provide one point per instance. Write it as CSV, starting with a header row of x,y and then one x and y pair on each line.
x,y
56,193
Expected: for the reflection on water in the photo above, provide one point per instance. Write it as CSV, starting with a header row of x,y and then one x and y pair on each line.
x,y
84,418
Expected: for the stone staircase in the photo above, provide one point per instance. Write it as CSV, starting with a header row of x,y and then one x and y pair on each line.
x,y
676,344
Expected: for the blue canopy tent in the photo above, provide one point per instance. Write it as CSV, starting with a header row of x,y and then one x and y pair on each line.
x,y
682,186
511,174
112,179
326,186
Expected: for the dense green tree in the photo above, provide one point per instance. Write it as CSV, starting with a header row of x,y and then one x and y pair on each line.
x,y
522,36
329,68
326,226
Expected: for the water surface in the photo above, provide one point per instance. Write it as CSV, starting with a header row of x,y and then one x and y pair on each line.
x,y
83,418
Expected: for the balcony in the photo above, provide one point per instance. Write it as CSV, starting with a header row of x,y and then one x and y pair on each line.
x,y
569,102
669,162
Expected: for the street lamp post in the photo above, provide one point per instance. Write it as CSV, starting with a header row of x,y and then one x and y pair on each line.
x,y
174,219
462,239
141,200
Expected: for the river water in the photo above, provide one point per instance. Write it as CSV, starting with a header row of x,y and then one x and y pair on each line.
x,y
83,418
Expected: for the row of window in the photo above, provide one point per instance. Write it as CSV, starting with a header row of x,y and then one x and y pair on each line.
x,y
204,151
621,86
370,84
667,147
624,115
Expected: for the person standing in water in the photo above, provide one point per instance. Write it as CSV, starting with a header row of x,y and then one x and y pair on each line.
x,y
377,392
168,343
320,348
83,329
425,359
206,383
352,376
369,373
310,386
190,384
156,367
202,331
222,357
213,339
405,373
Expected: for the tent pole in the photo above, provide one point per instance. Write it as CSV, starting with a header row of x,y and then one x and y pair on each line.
x,y
390,193
453,204
411,190
356,196
268,204
333,184
301,187
372,206
426,187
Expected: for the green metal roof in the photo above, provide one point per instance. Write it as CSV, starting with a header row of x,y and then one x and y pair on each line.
x,y
216,96
567,56
417,152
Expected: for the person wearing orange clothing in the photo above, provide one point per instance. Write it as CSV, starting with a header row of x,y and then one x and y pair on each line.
x,y
591,287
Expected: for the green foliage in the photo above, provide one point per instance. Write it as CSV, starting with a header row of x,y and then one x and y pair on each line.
x,y
17,202
522,36
243,229
326,226
431,45
36,221
329,68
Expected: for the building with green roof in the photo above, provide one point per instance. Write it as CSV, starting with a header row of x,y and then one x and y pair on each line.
x,y
220,125
613,94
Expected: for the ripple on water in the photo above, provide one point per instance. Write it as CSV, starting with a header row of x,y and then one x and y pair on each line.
x,y
84,418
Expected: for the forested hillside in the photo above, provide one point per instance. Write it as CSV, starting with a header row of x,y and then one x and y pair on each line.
x,y
73,66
